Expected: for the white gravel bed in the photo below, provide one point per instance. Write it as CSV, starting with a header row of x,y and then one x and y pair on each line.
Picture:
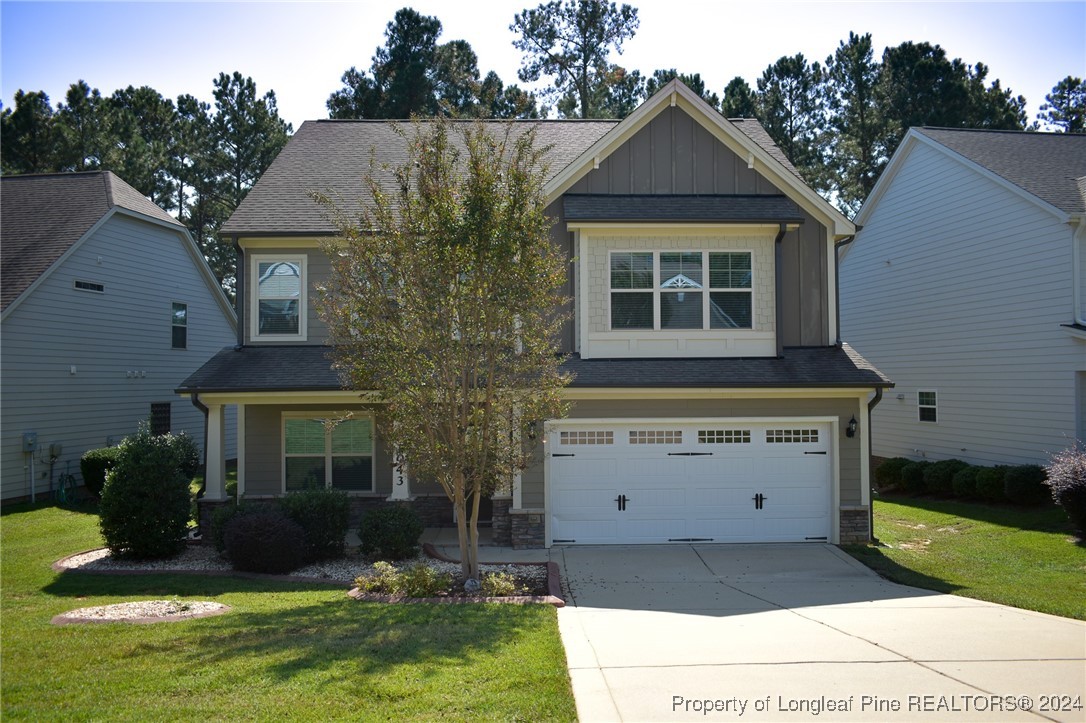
x,y
146,609
346,569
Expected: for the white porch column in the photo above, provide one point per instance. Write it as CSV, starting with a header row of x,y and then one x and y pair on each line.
x,y
215,474
401,483
241,451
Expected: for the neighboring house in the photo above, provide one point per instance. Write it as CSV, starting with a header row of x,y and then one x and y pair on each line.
x,y
967,285
710,400
107,305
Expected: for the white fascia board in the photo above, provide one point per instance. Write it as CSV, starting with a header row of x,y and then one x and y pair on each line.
x,y
256,243
642,393
676,94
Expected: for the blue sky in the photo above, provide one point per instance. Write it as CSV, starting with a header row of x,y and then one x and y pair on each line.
x,y
300,49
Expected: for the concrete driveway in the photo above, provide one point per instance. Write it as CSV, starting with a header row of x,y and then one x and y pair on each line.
x,y
800,632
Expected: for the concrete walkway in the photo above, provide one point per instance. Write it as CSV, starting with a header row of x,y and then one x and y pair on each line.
x,y
793,632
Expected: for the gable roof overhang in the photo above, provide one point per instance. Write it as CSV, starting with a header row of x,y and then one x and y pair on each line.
x,y
676,94
183,235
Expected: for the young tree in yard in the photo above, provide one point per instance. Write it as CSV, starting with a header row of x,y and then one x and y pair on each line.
x,y
571,40
1065,106
443,306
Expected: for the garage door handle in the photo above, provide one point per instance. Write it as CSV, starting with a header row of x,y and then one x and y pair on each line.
x,y
689,454
814,452
622,500
562,455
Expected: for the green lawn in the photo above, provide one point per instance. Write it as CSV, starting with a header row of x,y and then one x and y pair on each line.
x,y
1027,558
285,650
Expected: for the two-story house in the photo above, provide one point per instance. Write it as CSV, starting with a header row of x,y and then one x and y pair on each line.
x,y
107,304
712,400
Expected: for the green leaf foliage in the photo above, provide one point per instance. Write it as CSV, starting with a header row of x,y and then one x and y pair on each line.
x,y
390,533
323,516
94,464
145,502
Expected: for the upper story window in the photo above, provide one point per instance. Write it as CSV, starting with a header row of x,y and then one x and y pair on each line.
x,y
180,326
278,297
681,290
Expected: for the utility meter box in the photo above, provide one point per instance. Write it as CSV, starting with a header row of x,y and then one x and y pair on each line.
x,y
30,441
55,449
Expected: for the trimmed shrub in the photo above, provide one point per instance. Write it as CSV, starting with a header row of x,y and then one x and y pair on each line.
x,y
965,482
990,483
888,474
1025,485
499,584
912,477
94,464
391,533
323,515
939,476
222,516
418,580
144,513
1067,482
264,541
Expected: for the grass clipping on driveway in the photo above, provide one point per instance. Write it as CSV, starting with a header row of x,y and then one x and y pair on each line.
x,y
1026,558
284,651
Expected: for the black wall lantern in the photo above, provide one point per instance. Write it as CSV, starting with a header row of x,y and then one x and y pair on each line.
x,y
850,430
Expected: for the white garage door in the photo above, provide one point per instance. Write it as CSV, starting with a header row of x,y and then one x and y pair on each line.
x,y
707,481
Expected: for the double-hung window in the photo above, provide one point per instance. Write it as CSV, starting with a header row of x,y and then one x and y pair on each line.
x,y
318,453
673,290
927,406
279,303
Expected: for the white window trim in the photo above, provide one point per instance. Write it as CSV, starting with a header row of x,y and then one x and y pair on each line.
x,y
254,297
705,291
327,449
920,406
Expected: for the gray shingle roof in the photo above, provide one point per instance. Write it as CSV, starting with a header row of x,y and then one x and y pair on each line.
x,y
595,207
334,156
42,216
1047,165
308,368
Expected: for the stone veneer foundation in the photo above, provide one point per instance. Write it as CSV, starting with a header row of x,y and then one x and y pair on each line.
x,y
854,528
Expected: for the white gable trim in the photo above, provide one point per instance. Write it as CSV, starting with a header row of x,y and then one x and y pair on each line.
x,y
183,236
675,94
914,137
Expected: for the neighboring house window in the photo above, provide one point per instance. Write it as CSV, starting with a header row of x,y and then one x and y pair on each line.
x,y
180,325
319,454
927,406
160,417
279,297
89,286
667,290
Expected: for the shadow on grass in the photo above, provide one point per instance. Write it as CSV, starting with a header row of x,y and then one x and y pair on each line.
x,y
1048,517
874,558
83,584
365,638
85,506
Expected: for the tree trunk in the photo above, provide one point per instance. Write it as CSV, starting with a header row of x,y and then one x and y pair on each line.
x,y
459,504
473,531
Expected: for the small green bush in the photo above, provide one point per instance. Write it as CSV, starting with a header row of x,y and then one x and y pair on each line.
x,y
94,464
888,474
1025,485
990,483
499,584
144,513
912,477
1067,482
390,533
965,482
939,476
264,541
418,580
323,515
